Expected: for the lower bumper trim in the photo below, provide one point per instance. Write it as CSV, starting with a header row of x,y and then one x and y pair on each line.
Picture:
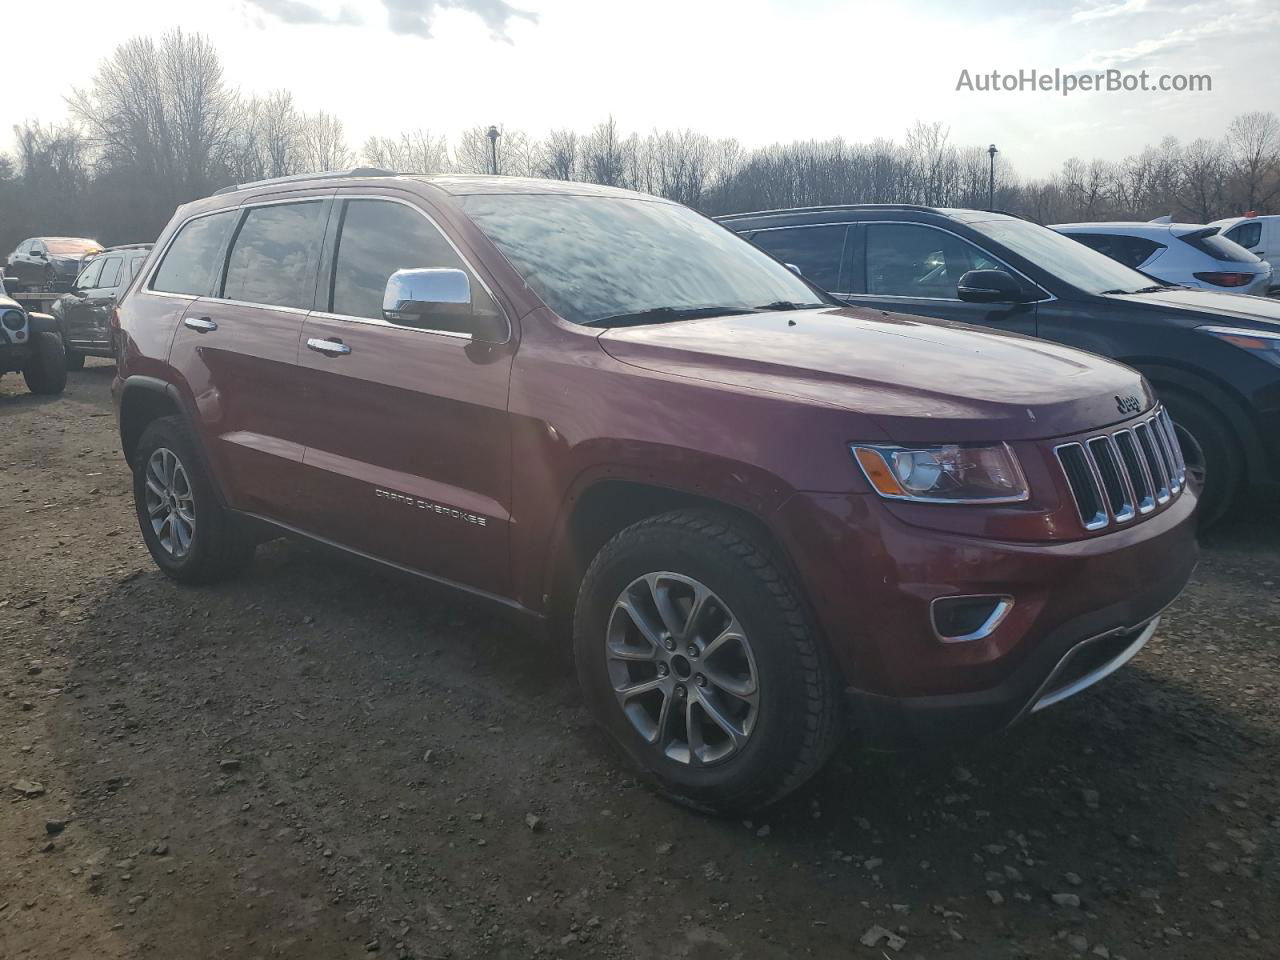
x,y
1055,690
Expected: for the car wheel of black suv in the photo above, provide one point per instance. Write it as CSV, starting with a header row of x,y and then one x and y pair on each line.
x,y
695,653
75,359
191,536
46,371
1212,455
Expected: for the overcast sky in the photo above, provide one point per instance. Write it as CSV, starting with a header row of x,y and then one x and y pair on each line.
x,y
759,70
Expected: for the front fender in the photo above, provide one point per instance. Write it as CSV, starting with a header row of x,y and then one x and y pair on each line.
x,y
44,323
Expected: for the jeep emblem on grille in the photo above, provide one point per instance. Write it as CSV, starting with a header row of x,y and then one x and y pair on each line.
x,y
1129,404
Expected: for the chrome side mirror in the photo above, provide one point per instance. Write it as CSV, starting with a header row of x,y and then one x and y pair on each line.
x,y
414,296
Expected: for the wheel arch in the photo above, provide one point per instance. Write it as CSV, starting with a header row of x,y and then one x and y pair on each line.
x,y
144,399
1218,397
43,323
603,507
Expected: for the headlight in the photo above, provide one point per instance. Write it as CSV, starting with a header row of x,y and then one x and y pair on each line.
x,y
1264,343
951,473
13,320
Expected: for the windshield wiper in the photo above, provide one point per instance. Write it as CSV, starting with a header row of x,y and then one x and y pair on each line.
x,y
790,305
663,315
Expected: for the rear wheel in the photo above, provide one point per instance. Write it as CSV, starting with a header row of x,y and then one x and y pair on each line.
x,y
1213,457
46,371
75,359
190,535
695,653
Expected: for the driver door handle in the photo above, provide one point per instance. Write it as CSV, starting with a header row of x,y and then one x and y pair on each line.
x,y
200,324
334,348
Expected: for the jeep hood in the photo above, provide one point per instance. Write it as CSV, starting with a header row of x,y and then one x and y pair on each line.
x,y
920,380
1209,306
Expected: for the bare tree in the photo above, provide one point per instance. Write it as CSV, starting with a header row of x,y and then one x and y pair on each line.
x,y
604,155
419,151
1253,142
322,145
559,155
1203,180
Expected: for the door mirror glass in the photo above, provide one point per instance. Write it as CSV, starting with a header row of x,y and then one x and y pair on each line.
x,y
419,295
989,286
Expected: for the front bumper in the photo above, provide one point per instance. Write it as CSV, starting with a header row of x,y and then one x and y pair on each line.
x,y
1081,609
897,723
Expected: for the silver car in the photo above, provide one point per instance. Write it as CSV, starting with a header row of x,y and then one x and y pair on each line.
x,y
1187,254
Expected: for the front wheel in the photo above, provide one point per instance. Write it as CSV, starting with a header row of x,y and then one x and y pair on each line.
x,y
46,371
695,653
191,536
1212,455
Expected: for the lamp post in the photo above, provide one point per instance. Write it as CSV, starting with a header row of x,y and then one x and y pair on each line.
x,y
991,182
493,136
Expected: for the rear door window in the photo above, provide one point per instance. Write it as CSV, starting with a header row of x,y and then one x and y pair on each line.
x,y
192,260
110,273
1131,251
818,251
275,255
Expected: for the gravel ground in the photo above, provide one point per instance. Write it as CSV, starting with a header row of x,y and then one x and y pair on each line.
x,y
320,760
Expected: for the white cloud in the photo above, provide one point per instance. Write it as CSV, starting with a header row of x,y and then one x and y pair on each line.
x,y
1102,10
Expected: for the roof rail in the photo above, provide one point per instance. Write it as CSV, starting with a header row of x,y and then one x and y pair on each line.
x,y
831,206
128,246
303,177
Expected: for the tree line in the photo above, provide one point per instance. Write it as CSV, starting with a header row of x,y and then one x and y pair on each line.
x,y
159,124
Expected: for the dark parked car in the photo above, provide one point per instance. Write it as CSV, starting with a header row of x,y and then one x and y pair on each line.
x,y
762,512
1213,358
84,312
47,263
29,343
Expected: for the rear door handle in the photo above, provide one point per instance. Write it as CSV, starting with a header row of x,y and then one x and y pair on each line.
x,y
200,324
334,348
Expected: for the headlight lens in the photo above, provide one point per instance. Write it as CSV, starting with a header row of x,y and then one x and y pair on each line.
x,y
13,320
951,473
1263,343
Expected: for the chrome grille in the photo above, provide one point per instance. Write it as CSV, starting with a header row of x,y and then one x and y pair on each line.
x,y
1125,473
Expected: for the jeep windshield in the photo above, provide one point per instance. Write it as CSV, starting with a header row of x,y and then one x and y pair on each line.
x,y
619,261
1067,259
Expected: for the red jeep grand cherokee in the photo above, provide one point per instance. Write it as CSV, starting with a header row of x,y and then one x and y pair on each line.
x,y
765,513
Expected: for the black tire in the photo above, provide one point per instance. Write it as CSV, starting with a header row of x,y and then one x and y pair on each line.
x,y
1208,445
797,723
219,546
46,371
75,359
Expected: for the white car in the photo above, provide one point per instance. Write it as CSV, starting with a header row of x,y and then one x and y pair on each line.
x,y
1188,254
1259,235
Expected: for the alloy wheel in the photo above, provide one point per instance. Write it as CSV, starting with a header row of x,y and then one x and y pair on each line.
x,y
682,669
170,503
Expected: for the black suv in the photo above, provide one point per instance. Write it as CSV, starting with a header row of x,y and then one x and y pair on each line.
x,y
84,312
1213,357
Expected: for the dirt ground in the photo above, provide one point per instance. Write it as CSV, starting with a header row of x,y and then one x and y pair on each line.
x,y
321,760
